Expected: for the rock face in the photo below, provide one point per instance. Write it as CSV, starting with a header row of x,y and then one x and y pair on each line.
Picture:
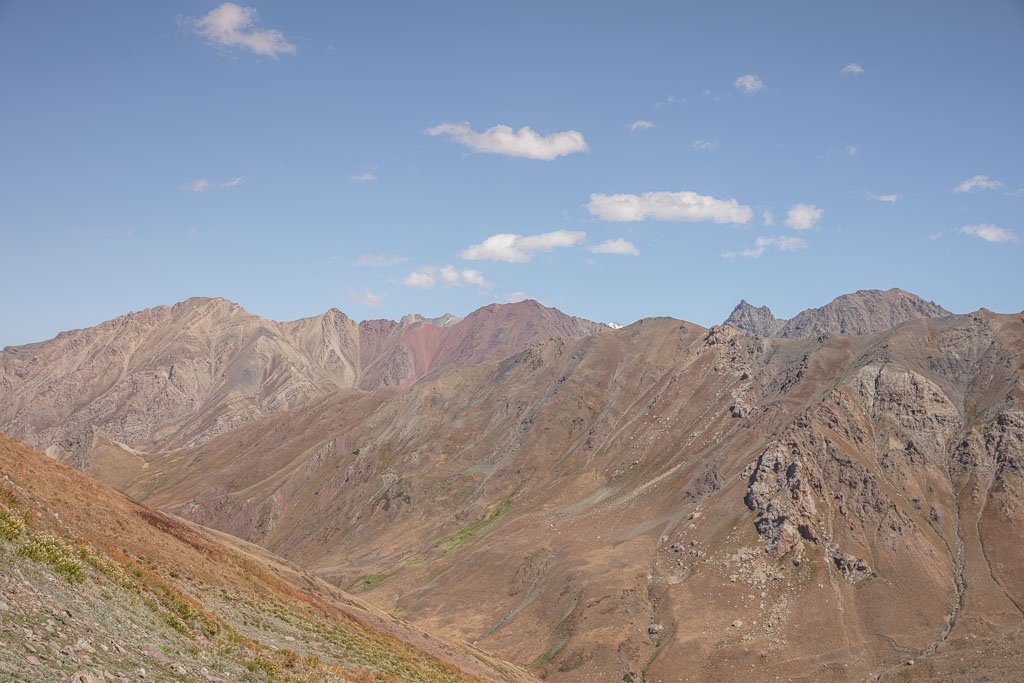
x,y
754,321
860,313
840,502
175,376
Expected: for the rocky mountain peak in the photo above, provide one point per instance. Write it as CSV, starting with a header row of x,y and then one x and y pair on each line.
x,y
866,311
754,321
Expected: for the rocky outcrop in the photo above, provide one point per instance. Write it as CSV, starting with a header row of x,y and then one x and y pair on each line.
x,y
754,321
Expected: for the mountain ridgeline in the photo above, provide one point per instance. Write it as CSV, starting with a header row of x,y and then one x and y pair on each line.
x,y
841,498
175,376
863,312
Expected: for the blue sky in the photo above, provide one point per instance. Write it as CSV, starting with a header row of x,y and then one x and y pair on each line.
x,y
341,154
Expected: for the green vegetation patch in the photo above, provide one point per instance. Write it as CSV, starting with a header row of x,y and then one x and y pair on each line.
x,y
471,532
11,526
54,552
372,580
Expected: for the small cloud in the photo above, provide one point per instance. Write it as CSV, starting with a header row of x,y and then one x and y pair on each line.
x,y
989,233
516,297
234,182
197,185
641,124
749,84
851,150
524,142
762,244
668,100
512,248
768,217
803,216
620,246
978,182
379,260
428,276
367,298
232,25
935,235
852,69
889,198
668,206
364,177
705,145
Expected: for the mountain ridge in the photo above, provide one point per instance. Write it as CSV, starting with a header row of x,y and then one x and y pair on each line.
x,y
865,311
170,376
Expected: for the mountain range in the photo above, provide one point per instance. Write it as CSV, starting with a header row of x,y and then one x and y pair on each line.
x,y
834,496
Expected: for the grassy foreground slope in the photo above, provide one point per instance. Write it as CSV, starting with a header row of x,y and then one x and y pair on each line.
x,y
95,586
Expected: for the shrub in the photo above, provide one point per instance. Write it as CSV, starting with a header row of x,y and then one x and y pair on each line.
x,y
54,552
11,527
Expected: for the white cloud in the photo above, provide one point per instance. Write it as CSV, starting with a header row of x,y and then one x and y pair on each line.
x,y
197,185
364,177
935,236
761,245
768,217
234,182
516,297
379,260
851,150
620,246
367,298
989,233
668,206
421,277
889,198
749,84
803,216
513,248
852,69
428,276
232,25
705,145
978,182
642,124
524,142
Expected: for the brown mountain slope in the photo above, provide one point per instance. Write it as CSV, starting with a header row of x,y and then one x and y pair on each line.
x,y
665,500
863,312
94,583
169,377
418,348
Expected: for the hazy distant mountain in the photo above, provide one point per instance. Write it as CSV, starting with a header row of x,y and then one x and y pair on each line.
x,y
174,376
862,312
